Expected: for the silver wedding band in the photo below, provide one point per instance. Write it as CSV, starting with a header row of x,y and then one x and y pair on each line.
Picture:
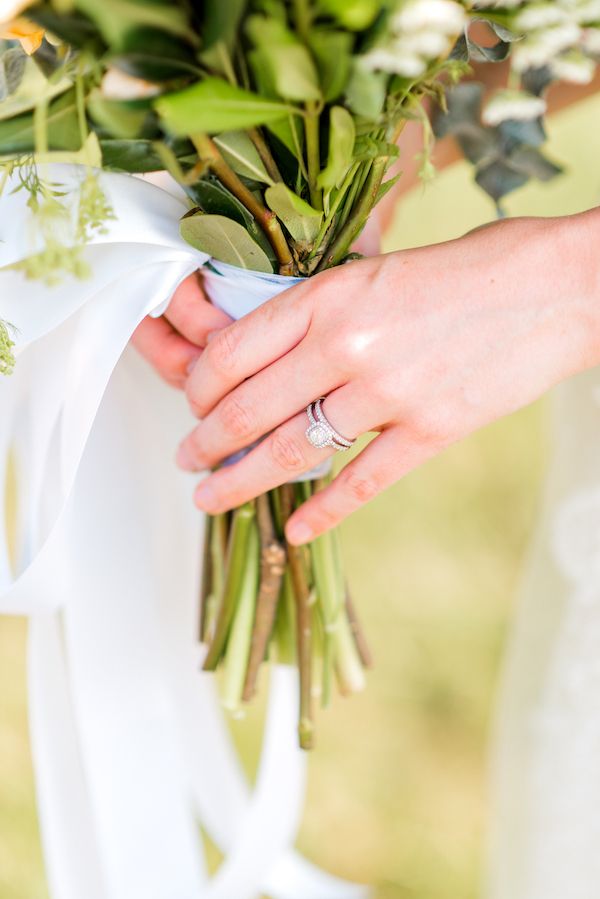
x,y
320,432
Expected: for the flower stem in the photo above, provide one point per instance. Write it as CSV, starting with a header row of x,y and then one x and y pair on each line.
x,y
265,154
237,559
209,153
238,643
313,153
272,568
303,628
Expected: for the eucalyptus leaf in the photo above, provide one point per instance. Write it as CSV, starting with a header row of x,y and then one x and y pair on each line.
x,y
225,240
342,135
242,156
499,178
214,105
292,72
301,220
12,69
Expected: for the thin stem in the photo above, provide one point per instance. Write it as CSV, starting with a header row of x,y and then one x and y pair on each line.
x,y
303,629
209,153
265,154
272,569
243,519
367,199
360,640
313,153
347,183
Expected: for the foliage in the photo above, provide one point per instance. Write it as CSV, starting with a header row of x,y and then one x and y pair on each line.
x,y
293,107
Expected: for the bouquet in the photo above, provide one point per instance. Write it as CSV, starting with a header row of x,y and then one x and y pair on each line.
x,y
280,120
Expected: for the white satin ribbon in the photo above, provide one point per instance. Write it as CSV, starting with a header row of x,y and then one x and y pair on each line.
x,y
130,749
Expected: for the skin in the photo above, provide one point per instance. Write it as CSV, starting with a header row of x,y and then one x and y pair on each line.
x,y
442,347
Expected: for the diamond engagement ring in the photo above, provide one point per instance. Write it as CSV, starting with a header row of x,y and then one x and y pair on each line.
x,y
320,433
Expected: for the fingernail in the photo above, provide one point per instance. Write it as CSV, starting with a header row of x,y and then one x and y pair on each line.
x,y
299,532
184,459
205,496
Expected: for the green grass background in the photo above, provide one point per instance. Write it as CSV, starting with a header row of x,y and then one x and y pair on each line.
x,y
397,785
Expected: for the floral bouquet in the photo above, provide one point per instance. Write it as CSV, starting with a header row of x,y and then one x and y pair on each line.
x,y
280,120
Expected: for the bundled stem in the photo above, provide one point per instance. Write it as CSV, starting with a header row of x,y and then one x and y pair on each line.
x,y
272,569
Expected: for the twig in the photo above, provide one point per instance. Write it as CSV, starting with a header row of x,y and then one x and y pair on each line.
x,y
209,153
303,628
272,569
265,154
360,640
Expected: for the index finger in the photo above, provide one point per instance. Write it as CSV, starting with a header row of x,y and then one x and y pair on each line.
x,y
249,345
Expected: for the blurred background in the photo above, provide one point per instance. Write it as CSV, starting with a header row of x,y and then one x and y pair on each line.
x,y
397,786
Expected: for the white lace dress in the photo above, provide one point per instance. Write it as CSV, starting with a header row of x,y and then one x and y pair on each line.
x,y
545,835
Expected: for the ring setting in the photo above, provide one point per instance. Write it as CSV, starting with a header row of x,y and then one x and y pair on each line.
x,y
320,433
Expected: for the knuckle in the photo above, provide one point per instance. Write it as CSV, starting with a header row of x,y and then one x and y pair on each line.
x,y
287,452
222,349
362,489
235,418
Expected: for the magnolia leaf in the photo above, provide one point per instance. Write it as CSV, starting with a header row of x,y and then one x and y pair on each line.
x,y
212,197
116,18
342,134
214,105
12,68
302,221
224,240
292,72
123,119
332,51
130,155
154,56
241,154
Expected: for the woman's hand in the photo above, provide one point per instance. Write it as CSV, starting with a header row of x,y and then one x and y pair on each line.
x,y
173,342
422,347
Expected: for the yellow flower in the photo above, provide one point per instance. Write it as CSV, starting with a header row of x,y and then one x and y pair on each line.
x,y
27,33
14,27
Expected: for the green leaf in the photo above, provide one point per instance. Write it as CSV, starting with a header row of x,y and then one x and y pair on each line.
x,y
214,105
17,135
12,69
155,56
301,220
136,155
116,18
213,198
120,118
291,69
219,29
366,92
224,240
73,28
356,15
342,134
332,51
242,156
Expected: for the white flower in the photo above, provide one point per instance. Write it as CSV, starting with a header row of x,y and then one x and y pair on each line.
x,y
574,67
539,15
117,85
587,12
429,44
512,104
394,60
590,41
540,48
444,16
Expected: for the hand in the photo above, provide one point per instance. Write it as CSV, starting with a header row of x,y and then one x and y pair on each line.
x,y
173,342
422,347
